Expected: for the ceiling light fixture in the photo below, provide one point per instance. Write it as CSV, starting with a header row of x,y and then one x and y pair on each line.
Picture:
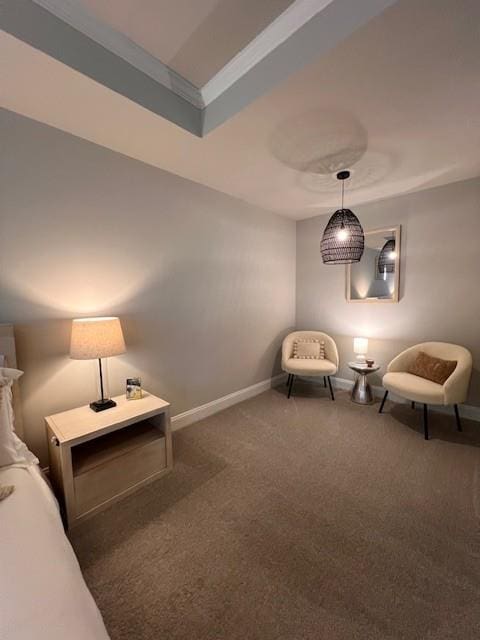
x,y
343,239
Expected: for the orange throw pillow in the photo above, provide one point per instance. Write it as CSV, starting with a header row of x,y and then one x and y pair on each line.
x,y
434,369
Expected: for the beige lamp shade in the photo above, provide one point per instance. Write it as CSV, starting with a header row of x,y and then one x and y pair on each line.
x,y
96,338
360,346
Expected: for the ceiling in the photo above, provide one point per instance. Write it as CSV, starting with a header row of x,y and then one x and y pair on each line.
x,y
396,103
99,44
195,39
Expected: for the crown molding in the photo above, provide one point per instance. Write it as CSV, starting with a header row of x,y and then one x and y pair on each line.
x,y
72,13
305,30
43,30
299,36
284,26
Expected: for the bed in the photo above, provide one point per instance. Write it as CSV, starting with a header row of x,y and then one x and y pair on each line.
x,y
42,591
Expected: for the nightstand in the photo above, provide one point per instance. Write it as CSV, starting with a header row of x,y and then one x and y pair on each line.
x,y
98,458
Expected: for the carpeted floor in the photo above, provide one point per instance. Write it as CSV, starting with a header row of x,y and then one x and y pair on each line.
x,y
295,520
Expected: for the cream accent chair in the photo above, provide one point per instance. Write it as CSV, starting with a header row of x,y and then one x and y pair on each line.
x,y
416,389
306,367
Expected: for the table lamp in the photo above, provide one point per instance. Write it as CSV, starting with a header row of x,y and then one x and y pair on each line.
x,y
97,338
360,348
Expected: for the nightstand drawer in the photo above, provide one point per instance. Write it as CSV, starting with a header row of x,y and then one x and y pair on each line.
x,y
114,477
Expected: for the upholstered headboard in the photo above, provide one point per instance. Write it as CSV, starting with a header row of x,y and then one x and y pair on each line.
x,y
7,349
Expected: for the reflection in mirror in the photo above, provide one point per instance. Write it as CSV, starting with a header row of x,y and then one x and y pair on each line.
x,y
376,277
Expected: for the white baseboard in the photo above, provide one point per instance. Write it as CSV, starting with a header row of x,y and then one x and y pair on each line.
x,y
196,414
199,413
466,410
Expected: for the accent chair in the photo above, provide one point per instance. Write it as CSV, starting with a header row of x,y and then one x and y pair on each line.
x,y
322,367
398,380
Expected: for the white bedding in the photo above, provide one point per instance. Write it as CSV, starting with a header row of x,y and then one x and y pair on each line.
x,y
42,592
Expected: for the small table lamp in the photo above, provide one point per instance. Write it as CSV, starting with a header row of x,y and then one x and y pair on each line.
x,y
360,348
97,338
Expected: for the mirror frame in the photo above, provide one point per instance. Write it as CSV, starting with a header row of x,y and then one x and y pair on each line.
x,y
398,245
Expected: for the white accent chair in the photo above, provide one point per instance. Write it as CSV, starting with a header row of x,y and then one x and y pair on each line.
x,y
416,389
309,367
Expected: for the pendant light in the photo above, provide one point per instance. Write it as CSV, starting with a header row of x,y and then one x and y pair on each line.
x,y
386,259
343,240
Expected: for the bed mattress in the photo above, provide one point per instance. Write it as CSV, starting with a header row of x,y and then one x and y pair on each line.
x,y
43,595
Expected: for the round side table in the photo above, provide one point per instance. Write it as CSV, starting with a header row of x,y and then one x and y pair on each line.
x,y
362,391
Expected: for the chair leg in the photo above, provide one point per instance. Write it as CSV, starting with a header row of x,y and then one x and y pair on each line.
x,y
288,380
290,386
383,402
325,381
331,389
425,421
457,417
413,404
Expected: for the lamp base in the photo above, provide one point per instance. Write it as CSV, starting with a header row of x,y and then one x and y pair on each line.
x,y
361,359
101,405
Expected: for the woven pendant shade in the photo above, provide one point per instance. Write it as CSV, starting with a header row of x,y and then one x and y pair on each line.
x,y
386,261
343,239
336,250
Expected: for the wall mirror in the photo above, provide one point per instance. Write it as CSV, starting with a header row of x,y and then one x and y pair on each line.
x,y
376,277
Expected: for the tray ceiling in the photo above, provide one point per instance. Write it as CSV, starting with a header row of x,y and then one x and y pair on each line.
x,y
396,105
112,43
195,39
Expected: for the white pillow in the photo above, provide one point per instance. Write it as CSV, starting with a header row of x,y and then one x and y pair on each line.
x,y
309,349
12,449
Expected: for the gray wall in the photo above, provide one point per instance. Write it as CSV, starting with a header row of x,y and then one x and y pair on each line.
x,y
439,278
204,283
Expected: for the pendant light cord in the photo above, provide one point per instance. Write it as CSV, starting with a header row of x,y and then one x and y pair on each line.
x,y
343,189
